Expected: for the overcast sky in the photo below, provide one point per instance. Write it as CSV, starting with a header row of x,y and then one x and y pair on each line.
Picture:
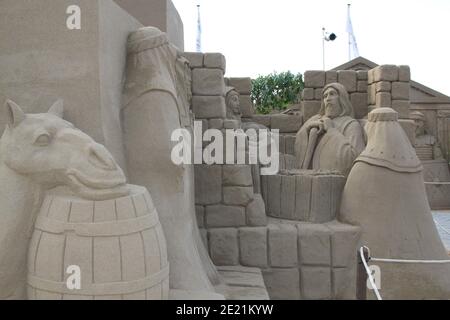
x,y
262,36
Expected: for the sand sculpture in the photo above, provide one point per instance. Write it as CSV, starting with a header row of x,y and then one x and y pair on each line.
x,y
154,107
291,235
395,216
426,145
117,247
232,103
333,138
41,152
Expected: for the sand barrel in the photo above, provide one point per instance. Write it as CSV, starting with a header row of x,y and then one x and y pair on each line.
x,y
118,245
303,195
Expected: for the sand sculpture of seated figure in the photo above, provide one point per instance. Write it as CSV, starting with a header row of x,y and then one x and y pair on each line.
x,y
426,145
232,100
233,104
332,139
39,152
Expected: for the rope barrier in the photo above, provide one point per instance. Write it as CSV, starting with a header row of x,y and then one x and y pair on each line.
x,y
369,273
405,260
410,261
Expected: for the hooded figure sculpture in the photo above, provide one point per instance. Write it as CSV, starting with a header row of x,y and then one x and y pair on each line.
x,y
155,106
385,195
332,139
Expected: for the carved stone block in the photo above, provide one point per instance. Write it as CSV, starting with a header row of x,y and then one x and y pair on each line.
x,y
282,283
283,245
404,74
195,59
344,283
400,90
253,246
359,102
348,79
208,184
215,60
220,216
402,107
207,107
344,241
223,246
362,86
385,73
314,79
362,74
208,82
383,100
316,283
237,175
331,77
371,94
237,195
256,212
308,94
370,76
242,85
383,86
314,244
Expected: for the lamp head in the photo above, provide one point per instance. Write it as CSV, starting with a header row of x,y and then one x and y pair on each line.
x,y
330,36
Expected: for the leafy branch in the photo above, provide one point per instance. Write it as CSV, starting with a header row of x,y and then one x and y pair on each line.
x,y
276,91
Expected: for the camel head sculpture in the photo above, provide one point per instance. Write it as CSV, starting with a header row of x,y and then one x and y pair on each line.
x,y
52,152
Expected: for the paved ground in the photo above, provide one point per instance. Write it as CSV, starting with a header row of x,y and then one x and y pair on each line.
x,y
442,220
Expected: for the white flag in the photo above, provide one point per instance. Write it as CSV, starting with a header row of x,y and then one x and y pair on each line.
x,y
199,32
353,51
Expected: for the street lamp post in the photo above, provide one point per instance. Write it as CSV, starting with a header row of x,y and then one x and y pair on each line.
x,y
326,37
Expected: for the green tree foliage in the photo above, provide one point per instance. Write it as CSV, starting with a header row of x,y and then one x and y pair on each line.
x,y
276,91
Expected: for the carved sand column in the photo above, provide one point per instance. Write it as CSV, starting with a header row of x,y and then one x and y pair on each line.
x,y
153,109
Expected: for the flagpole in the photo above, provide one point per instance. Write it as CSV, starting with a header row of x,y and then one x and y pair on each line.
x,y
323,48
353,51
199,31
349,35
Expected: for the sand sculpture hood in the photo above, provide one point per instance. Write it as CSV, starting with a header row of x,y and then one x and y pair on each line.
x,y
386,196
144,72
388,146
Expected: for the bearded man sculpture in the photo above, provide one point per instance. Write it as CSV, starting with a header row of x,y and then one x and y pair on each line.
x,y
332,139
427,147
